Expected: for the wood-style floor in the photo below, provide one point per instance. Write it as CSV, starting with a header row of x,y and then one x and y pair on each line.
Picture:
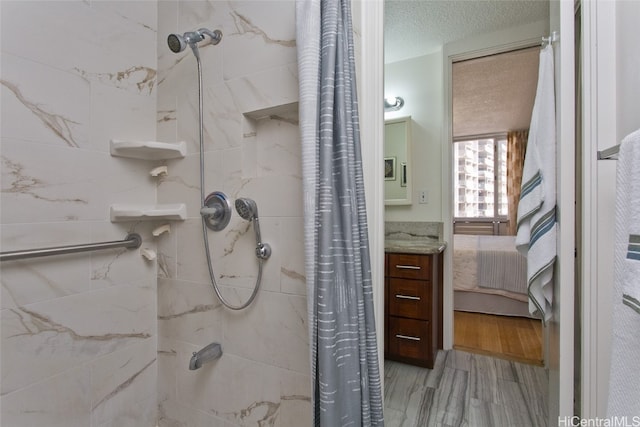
x,y
511,338
465,389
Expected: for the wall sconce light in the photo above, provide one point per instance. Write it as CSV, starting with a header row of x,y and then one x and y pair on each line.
x,y
393,103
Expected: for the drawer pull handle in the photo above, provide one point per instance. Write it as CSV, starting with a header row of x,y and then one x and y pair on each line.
x,y
407,297
408,267
407,337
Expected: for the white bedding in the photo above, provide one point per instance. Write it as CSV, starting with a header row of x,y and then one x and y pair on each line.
x,y
504,271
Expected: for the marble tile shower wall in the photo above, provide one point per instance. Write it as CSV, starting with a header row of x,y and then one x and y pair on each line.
x,y
252,150
78,331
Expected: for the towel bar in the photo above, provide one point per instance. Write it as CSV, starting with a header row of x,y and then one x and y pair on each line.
x,y
610,153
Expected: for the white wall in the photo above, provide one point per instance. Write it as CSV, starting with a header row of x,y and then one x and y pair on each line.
x,y
628,66
419,82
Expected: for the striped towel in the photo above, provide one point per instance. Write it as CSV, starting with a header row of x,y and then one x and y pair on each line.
x,y
631,288
536,220
624,393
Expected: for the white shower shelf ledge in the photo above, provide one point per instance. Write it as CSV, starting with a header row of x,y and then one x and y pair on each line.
x,y
148,150
125,212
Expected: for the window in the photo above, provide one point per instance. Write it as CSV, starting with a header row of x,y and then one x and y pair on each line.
x,y
480,179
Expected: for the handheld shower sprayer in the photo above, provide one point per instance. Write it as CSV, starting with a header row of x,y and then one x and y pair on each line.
x,y
177,43
215,209
248,210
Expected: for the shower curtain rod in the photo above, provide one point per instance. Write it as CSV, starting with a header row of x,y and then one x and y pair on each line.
x,y
553,37
132,241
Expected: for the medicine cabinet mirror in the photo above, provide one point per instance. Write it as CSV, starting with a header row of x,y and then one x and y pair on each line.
x,y
397,161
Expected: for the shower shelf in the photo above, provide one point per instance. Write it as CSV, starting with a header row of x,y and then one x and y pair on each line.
x,y
176,212
148,150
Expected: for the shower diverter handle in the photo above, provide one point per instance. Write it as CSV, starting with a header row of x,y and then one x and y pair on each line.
x,y
211,212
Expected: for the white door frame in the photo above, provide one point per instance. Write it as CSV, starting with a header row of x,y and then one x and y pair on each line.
x,y
368,16
599,131
562,325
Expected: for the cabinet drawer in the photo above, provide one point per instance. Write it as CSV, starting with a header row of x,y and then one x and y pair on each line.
x,y
409,338
409,298
409,266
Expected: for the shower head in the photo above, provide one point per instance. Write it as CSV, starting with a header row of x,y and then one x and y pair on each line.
x,y
247,209
177,43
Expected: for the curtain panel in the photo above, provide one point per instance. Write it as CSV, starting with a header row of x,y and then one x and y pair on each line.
x,y
516,148
344,358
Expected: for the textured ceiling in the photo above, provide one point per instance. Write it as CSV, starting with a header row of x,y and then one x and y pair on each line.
x,y
419,27
494,93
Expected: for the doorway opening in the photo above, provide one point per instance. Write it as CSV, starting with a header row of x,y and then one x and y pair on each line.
x,y
492,101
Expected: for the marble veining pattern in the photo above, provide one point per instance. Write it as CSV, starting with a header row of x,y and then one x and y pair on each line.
x,y
49,337
465,389
251,150
143,78
244,25
165,269
78,331
61,126
20,183
102,272
37,323
114,331
123,385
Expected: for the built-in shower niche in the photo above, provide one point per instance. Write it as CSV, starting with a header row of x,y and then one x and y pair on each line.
x,y
148,150
253,124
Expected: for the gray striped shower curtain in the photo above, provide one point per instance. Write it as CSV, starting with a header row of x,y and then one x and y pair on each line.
x,y
344,357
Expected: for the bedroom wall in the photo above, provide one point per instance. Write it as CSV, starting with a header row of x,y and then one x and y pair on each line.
x,y
419,82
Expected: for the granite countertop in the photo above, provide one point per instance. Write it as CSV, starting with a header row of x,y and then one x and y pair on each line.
x,y
414,246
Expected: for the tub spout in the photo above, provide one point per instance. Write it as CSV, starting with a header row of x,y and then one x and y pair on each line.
x,y
211,352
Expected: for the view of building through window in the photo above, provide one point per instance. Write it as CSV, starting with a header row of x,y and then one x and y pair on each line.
x,y
480,180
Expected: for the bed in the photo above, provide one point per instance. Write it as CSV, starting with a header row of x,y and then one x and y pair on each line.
x,y
489,276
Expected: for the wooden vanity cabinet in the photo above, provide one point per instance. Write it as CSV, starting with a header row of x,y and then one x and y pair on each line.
x,y
413,307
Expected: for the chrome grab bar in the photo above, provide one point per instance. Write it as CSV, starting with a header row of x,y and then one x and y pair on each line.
x,y
400,296
132,241
408,267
